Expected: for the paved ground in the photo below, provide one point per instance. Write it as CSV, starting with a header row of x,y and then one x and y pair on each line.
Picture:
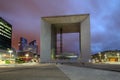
x,y
81,73
37,72
109,67
54,72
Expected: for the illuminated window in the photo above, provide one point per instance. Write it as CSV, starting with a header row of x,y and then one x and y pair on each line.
x,y
5,25
6,33
8,30
1,33
6,36
1,27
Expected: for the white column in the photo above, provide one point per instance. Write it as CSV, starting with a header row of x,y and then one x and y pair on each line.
x,y
85,40
45,41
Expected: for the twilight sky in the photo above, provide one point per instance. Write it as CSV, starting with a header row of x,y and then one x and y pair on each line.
x,y
24,15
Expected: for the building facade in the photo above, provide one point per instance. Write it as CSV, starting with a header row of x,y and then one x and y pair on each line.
x,y
5,40
5,34
34,46
107,56
27,51
23,43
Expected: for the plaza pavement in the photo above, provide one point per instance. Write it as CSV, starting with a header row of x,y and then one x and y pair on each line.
x,y
55,72
19,65
32,72
101,66
82,73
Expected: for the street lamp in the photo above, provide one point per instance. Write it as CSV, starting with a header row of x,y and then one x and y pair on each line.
x,y
0,56
118,56
26,55
100,55
10,51
105,57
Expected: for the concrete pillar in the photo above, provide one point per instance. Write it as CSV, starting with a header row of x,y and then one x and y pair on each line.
x,y
53,41
85,40
45,41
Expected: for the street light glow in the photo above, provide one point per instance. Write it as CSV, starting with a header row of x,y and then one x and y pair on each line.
x,y
26,55
10,51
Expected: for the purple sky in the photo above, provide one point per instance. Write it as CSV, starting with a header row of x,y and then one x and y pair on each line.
x,y
25,15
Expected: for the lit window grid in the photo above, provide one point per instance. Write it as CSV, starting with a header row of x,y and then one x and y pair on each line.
x,y
5,32
5,35
5,26
1,27
5,29
9,31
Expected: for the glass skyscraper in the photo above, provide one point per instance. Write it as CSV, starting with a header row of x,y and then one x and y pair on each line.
x,y
5,34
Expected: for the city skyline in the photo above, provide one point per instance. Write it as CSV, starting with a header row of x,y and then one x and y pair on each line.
x,y
24,15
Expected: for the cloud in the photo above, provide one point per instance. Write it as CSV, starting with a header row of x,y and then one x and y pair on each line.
x,y
107,29
25,15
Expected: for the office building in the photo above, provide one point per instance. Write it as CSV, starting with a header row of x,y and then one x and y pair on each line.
x,y
27,51
107,56
23,43
34,46
5,34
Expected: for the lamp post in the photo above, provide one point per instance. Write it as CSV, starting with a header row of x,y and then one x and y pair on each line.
x,y
100,55
0,56
10,51
105,57
118,56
